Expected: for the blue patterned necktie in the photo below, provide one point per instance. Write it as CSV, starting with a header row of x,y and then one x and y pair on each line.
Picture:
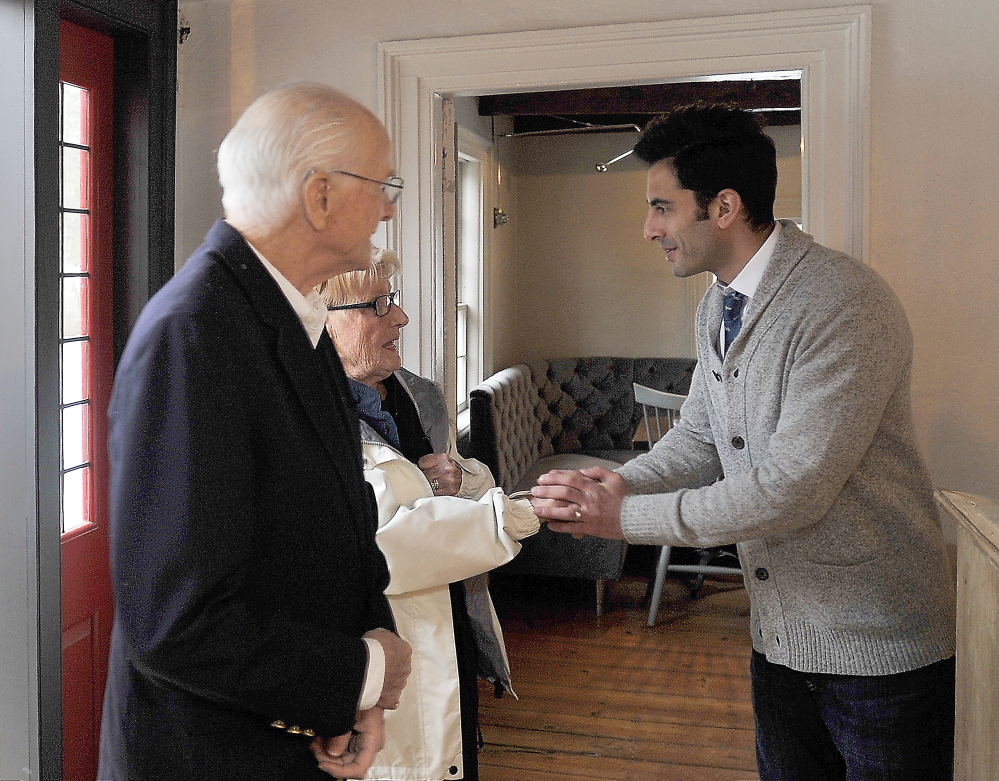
x,y
732,316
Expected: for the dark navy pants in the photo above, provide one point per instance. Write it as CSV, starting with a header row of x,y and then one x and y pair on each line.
x,y
820,727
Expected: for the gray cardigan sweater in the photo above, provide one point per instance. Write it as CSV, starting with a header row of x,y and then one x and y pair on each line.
x,y
808,418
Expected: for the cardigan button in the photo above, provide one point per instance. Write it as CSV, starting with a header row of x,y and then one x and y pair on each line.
x,y
453,770
762,574
735,373
738,443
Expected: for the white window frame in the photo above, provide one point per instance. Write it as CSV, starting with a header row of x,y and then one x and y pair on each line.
x,y
474,233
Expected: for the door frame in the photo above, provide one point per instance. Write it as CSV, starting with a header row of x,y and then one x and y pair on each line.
x,y
830,46
145,33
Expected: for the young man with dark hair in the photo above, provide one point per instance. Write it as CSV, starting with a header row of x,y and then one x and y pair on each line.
x,y
801,401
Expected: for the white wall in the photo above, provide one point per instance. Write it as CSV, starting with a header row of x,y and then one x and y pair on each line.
x,y
18,649
933,160
787,140
585,281
466,114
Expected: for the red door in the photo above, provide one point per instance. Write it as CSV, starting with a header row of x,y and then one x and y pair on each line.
x,y
86,370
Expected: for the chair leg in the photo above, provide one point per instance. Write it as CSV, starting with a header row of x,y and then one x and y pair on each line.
x,y
703,559
601,591
657,589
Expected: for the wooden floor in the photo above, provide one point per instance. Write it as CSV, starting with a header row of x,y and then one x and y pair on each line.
x,y
614,699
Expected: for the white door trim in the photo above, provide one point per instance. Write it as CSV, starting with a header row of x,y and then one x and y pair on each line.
x,y
25,699
830,46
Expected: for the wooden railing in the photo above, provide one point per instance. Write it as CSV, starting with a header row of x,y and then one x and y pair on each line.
x,y
976,749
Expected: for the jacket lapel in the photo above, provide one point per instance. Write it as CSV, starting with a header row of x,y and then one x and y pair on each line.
x,y
792,244
791,247
312,375
315,374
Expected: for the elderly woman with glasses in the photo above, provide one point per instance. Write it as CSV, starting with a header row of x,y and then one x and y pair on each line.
x,y
442,525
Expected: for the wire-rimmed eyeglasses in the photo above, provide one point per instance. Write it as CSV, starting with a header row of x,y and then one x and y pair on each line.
x,y
391,187
381,304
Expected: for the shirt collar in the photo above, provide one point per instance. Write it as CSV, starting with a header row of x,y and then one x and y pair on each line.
x,y
749,278
310,309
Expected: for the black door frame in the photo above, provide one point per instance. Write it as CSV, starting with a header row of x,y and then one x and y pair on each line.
x,y
146,40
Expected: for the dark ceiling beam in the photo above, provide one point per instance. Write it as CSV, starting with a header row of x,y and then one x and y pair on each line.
x,y
636,104
645,98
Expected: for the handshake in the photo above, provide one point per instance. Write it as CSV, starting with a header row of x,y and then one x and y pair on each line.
x,y
579,503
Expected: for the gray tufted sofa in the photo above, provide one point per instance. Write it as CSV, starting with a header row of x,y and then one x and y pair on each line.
x,y
565,413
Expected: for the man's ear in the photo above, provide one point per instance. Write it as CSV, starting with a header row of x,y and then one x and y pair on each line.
x,y
730,208
316,198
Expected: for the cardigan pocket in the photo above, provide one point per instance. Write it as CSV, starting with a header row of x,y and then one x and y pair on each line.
x,y
868,596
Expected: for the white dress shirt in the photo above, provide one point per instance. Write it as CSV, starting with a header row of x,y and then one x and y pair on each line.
x,y
747,280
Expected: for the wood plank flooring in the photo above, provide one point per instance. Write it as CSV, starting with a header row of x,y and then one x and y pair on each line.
x,y
610,698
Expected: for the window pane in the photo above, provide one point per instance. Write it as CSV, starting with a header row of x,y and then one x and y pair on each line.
x,y
75,439
470,206
74,371
75,307
75,499
74,114
74,178
75,235
461,386
461,341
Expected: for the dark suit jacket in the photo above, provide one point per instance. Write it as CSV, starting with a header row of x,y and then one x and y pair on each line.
x,y
242,534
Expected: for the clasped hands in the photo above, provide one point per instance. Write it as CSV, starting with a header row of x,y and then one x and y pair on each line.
x,y
581,502
350,755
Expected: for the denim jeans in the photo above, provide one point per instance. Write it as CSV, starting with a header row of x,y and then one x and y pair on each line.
x,y
820,727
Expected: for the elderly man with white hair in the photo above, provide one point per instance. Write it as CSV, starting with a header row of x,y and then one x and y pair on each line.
x,y
252,636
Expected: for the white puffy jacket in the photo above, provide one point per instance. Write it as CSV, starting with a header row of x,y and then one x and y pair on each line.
x,y
430,541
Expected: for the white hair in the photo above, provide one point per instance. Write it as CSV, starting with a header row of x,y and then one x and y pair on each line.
x,y
347,288
284,136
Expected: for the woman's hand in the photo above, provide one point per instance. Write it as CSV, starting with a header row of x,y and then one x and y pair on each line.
x,y
443,474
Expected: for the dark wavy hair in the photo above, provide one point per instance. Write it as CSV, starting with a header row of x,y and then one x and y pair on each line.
x,y
713,147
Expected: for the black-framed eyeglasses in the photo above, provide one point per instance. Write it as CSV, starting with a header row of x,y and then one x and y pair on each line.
x,y
381,304
391,187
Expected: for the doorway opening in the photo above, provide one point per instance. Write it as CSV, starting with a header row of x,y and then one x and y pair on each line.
x,y
829,47
576,265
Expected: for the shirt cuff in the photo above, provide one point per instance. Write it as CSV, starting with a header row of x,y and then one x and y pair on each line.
x,y
374,679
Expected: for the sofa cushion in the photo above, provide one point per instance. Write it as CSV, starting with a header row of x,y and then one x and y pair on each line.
x,y
561,461
617,456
